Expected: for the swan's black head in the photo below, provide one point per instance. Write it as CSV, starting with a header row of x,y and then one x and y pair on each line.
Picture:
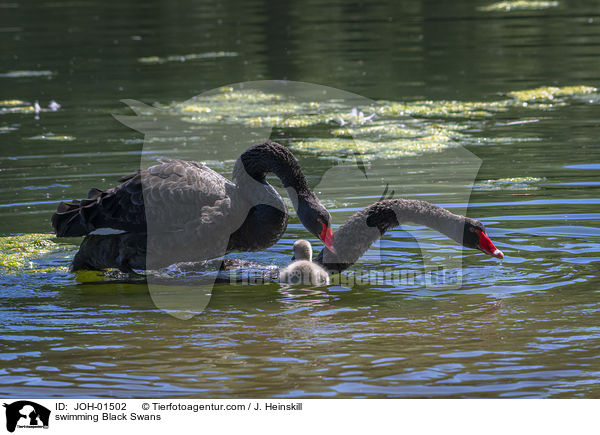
x,y
316,218
475,237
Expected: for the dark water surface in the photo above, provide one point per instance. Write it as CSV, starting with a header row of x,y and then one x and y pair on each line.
x,y
523,327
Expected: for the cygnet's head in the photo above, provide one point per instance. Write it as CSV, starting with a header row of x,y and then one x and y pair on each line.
x,y
302,250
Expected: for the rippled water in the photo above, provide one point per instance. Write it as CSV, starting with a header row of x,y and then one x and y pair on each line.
x,y
523,327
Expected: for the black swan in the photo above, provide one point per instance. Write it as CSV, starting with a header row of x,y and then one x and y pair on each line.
x,y
364,227
303,270
180,211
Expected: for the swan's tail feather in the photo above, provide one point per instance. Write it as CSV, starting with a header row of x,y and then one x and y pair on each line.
x,y
94,193
67,221
120,208
128,177
77,218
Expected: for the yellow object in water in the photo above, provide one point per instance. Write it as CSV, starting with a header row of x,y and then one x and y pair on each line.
x,y
12,103
55,137
519,5
549,93
18,252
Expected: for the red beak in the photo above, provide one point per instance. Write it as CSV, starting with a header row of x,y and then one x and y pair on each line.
x,y
326,237
486,245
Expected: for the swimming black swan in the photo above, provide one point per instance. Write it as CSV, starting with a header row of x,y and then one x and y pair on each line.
x,y
180,211
303,270
364,227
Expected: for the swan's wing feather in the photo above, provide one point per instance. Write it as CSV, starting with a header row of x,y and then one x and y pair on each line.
x,y
203,236
180,193
165,197
120,208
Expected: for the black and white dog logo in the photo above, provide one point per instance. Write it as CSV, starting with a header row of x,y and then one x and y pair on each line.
x,y
26,414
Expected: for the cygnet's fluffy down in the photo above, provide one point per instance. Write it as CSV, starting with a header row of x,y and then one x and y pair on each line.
x,y
303,270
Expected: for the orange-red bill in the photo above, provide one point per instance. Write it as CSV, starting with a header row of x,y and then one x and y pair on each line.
x,y
326,237
486,245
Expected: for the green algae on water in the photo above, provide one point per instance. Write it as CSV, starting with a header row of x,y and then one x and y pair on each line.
x,y
53,137
283,122
550,93
17,109
7,129
519,5
233,97
15,106
84,276
12,103
336,147
19,74
18,252
394,129
515,183
383,129
442,109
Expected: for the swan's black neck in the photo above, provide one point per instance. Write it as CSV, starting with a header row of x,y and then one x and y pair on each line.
x,y
364,227
388,214
261,229
271,157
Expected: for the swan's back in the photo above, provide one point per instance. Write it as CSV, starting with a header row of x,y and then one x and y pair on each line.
x,y
167,195
176,192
